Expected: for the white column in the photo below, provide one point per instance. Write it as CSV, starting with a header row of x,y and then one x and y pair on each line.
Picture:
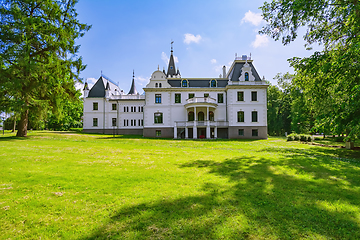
x,y
175,131
186,133
208,130
195,128
215,132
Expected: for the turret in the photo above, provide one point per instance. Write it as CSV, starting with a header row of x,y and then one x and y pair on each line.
x,y
133,88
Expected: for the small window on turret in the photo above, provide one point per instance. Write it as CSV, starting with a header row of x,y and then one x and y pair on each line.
x,y
156,84
159,85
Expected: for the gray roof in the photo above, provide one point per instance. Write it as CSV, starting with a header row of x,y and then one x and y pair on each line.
x,y
198,82
98,90
133,88
236,71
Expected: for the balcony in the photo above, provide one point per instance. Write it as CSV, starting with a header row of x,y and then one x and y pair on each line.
x,y
201,100
202,123
127,97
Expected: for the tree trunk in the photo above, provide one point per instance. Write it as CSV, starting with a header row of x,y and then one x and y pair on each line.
x,y
22,129
14,127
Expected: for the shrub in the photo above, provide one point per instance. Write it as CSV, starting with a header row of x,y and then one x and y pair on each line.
x,y
296,137
290,138
310,138
339,139
303,138
76,129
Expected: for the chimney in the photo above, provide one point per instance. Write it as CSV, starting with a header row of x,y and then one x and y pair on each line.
x,y
224,71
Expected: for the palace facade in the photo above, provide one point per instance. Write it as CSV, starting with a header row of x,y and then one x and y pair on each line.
x,y
234,105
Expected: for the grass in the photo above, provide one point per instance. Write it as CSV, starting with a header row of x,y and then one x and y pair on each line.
x,y
91,186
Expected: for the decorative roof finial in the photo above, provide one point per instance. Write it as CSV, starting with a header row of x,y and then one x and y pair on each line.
x,y
133,73
158,67
172,46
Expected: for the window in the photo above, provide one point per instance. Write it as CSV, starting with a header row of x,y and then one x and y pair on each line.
x,y
254,116
201,116
213,83
142,122
95,106
157,98
240,96
142,109
240,116
139,122
156,84
95,122
132,123
177,98
127,122
158,118
254,133
113,122
113,106
191,95
124,109
206,95
241,132
191,116
127,109
211,116
254,96
158,133
220,98
246,76
124,122
139,109
184,83
159,84
132,109
135,109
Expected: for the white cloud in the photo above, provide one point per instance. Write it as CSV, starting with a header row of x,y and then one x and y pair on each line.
x,y
253,18
260,41
213,61
165,58
189,38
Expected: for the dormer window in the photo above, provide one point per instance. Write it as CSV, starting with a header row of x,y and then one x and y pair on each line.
x,y
156,84
184,83
246,76
213,83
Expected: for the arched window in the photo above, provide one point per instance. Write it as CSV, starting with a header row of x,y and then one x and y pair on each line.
x,y
191,116
246,76
184,83
211,116
213,83
159,84
156,84
201,116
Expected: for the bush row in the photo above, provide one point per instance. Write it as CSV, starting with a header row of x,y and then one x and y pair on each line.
x,y
300,137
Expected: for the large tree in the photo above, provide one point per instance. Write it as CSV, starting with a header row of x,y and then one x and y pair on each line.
x,y
39,62
330,79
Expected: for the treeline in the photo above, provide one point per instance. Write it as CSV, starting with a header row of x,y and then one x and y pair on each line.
x,y
70,116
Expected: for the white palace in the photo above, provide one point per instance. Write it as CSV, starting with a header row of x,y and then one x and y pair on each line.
x,y
231,106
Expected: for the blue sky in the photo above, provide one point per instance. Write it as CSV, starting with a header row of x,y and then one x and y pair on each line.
x,y
127,35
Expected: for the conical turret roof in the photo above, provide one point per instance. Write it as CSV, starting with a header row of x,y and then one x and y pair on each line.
x,y
133,88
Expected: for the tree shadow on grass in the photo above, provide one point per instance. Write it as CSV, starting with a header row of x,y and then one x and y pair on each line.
x,y
291,197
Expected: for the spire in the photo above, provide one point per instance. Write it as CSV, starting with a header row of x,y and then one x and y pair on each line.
x,y
133,88
171,69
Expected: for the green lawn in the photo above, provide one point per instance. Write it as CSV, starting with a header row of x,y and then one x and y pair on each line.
x,y
87,186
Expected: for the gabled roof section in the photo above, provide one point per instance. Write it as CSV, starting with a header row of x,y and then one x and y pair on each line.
x,y
235,70
98,90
